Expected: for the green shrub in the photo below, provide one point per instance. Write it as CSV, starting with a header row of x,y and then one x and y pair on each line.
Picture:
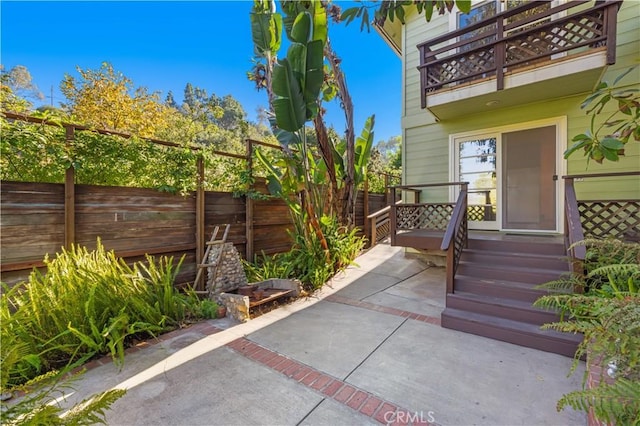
x,y
88,303
307,261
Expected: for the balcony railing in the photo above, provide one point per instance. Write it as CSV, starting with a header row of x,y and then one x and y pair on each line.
x,y
516,38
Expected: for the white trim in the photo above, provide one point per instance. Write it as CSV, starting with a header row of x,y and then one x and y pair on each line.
x,y
403,62
560,124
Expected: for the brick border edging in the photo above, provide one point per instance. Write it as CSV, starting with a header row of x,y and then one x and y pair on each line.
x,y
340,391
384,309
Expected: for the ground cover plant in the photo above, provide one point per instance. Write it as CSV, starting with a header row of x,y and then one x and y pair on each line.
x,y
89,303
604,305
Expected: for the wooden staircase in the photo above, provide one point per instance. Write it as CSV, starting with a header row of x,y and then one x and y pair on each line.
x,y
494,288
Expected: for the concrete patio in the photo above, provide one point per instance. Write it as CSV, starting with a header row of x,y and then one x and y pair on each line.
x,y
366,349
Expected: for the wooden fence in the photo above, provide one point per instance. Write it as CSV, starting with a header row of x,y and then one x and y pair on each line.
x,y
136,221
40,218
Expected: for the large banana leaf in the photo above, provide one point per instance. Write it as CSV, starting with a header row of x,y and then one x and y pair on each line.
x,y
318,15
287,139
314,77
289,106
266,32
364,142
302,28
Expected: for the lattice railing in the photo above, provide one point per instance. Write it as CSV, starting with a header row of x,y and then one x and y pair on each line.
x,y
423,216
601,219
517,37
618,219
481,212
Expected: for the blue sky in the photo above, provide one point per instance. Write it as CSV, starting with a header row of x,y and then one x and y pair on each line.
x,y
163,45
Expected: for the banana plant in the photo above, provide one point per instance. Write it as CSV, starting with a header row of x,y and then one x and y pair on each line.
x,y
266,33
298,78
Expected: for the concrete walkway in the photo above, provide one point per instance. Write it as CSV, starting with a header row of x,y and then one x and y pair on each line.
x,y
366,349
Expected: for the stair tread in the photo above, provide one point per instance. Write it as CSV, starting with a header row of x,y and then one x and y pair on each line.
x,y
511,324
512,268
500,301
500,282
515,254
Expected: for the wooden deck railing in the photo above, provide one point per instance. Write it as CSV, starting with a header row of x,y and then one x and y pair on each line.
x,y
597,218
515,38
379,225
456,235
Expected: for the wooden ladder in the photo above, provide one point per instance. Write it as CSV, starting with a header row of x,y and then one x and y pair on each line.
x,y
212,242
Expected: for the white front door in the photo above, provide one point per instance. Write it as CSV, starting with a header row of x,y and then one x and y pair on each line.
x,y
512,175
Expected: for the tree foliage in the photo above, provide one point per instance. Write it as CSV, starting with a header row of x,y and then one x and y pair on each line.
x,y
606,137
17,88
107,99
397,9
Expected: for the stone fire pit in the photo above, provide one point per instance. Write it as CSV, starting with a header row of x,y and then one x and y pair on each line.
x,y
225,278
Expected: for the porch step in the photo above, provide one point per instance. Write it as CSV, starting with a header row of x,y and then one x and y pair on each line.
x,y
505,270
512,331
529,260
500,307
532,245
498,288
495,287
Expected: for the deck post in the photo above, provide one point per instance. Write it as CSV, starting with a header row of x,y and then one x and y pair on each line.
x,y
365,208
500,50
69,194
200,219
249,205
450,267
392,217
610,20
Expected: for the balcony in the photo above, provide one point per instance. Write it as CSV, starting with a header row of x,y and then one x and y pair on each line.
x,y
525,54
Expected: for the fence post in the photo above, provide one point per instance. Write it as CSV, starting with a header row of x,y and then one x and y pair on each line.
x,y
392,217
69,193
386,190
365,207
249,205
200,219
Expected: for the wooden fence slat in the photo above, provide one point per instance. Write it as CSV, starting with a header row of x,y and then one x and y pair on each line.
x,y
133,221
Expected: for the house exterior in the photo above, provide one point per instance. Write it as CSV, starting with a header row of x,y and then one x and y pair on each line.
x,y
508,143
493,99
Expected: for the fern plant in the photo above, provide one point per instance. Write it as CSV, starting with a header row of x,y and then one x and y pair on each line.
x,y
40,406
88,302
611,328
607,312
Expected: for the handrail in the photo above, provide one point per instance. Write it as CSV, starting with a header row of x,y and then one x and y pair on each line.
x,y
573,232
375,217
456,219
426,185
379,212
597,175
455,237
